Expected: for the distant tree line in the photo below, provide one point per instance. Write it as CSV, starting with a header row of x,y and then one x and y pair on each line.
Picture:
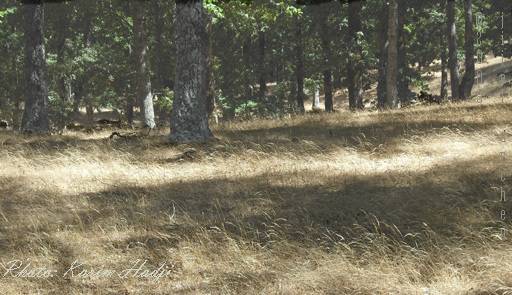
x,y
184,61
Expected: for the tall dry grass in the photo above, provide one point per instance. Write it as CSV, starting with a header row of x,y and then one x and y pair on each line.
x,y
348,203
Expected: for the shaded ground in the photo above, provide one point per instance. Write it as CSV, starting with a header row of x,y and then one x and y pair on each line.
x,y
347,203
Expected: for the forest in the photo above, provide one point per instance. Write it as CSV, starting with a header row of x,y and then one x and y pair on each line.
x,y
255,147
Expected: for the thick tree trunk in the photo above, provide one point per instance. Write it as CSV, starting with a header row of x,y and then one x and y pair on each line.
x,y
189,118
262,79
392,57
143,82
211,81
383,53
354,67
35,115
469,46
299,65
452,49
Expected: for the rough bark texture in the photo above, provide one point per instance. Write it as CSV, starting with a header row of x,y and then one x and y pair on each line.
x,y
299,65
35,115
143,83
452,49
211,81
383,52
392,57
469,46
262,79
354,67
189,118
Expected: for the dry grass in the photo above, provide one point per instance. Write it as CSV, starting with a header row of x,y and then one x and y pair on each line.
x,y
348,203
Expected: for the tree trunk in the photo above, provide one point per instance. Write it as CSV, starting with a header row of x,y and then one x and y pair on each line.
x,y
210,76
160,68
189,118
247,73
261,65
452,49
354,67
383,52
403,64
35,115
143,83
299,65
469,46
444,72
392,57
327,73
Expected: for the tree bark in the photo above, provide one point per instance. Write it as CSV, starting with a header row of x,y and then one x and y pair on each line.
x,y
354,67
210,76
468,79
327,73
403,64
143,83
452,49
189,118
383,52
299,65
392,57
444,72
35,115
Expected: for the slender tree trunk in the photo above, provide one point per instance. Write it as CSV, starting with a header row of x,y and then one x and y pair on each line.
x,y
247,74
327,73
35,115
160,69
452,49
444,72
468,79
189,118
383,53
403,64
261,64
354,67
89,110
143,83
299,65
392,57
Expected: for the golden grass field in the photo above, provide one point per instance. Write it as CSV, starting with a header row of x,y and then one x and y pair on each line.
x,y
390,202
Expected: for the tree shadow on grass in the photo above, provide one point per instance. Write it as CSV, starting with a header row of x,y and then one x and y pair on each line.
x,y
442,197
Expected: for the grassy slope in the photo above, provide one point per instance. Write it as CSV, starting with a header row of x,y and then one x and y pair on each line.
x,y
366,203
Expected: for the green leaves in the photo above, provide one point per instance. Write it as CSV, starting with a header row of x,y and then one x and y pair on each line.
x,y
5,12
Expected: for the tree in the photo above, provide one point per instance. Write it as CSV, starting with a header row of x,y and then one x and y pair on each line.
x,y
299,64
452,49
354,67
143,81
189,117
468,79
382,54
35,115
392,56
325,41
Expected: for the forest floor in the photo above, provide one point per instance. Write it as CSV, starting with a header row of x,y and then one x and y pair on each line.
x,y
393,202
